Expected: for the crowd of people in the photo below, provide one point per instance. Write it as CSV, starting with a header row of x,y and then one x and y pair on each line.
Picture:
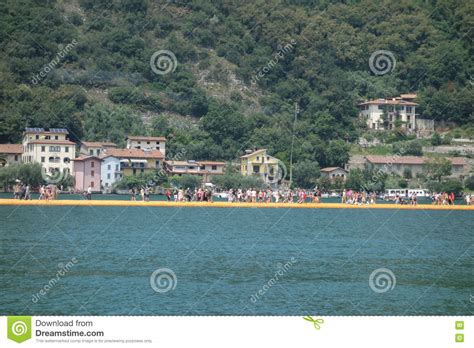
x,y
21,191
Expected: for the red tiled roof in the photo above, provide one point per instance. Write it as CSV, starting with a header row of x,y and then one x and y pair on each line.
x,y
146,138
52,142
11,148
133,153
457,161
212,163
83,158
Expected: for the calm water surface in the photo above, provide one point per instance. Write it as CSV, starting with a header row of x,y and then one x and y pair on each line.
x,y
222,258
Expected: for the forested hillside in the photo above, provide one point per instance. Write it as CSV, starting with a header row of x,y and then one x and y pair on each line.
x,y
226,93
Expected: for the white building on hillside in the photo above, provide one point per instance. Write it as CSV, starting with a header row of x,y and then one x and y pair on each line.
x,y
50,147
147,143
385,113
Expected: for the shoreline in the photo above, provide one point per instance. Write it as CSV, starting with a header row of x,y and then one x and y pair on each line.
x,y
122,203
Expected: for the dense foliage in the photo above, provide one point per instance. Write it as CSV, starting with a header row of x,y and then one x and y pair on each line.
x,y
103,86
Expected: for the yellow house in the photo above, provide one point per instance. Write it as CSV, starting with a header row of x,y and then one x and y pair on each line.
x,y
136,161
261,164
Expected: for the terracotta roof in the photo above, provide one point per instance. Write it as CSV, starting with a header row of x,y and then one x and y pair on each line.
x,y
52,142
98,144
212,163
389,102
458,161
195,163
133,153
83,158
11,148
330,169
146,138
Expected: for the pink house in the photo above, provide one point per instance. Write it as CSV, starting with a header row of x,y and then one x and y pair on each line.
x,y
87,173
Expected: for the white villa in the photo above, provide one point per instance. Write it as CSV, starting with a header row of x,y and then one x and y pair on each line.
x,y
147,143
50,147
394,109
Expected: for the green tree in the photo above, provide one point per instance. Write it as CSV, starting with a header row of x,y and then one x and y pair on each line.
x,y
438,168
306,173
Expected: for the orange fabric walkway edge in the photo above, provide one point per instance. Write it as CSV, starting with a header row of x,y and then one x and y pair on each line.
x,y
122,203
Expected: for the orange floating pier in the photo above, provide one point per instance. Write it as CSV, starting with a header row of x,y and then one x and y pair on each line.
x,y
124,203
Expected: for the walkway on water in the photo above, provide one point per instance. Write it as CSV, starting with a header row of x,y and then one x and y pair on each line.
x,y
122,203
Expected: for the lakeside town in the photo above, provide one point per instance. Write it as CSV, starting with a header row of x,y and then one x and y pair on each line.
x,y
91,167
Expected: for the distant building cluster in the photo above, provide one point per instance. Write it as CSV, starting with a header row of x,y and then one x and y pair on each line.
x,y
100,164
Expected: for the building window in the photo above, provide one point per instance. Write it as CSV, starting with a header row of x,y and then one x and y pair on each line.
x,y
380,107
109,167
409,109
92,184
43,159
214,167
258,158
55,149
66,160
56,137
43,148
98,152
117,167
148,142
91,152
66,149
92,173
138,147
157,147
92,164
108,176
37,136
16,157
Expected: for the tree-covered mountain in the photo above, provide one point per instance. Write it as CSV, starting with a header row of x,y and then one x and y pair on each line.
x,y
240,68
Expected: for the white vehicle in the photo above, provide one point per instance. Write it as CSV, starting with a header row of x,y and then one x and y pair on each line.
x,y
391,193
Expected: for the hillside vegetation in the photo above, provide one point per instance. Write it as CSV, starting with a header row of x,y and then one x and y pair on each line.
x,y
227,93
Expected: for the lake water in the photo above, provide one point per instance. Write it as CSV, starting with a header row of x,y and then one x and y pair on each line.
x,y
234,261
